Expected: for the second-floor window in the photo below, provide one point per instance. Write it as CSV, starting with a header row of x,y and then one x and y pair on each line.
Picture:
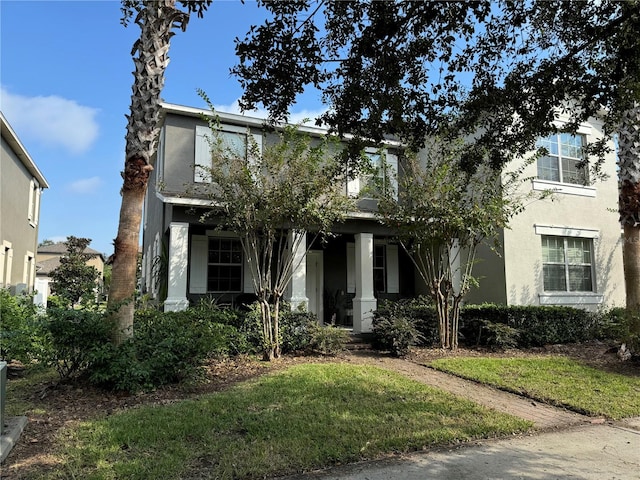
x,y
567,264
34,202
379,175
562,163
232,139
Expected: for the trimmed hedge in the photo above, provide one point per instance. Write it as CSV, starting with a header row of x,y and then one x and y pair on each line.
x,y
502,326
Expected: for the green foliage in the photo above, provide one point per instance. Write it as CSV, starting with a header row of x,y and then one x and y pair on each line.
x,y
329,340
20,337
168,347
441,214
297,329
395,334
73,280
272,196
73,337
498,335
420,311
502,326
534,325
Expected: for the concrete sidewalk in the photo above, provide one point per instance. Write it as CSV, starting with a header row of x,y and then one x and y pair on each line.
x,y
589,452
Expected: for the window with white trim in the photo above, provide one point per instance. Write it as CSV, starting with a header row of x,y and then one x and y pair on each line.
x,y
224,265
232,139
6,261
380,173
562,163
567,264
34,202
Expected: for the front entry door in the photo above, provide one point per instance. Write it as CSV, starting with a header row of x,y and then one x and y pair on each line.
x,y
315,282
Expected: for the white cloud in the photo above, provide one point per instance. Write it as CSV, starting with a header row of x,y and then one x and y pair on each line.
x,y
294,117
52,120
85,185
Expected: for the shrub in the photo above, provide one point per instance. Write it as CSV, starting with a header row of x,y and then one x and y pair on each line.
x,y
329,340
296,329
167,347
499,335
395,334
74,336
611,324
20,338
536,325
419,310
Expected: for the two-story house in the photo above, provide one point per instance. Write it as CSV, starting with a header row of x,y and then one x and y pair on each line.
x,y
567,248
342,280
49,259
21,186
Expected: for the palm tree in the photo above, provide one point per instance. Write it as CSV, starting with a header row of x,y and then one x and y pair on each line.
x,y
156,19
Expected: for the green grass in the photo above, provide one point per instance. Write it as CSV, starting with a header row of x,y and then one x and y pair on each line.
x,y
556,380
22,391
306,417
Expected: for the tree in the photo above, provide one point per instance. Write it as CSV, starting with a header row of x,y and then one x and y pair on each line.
x,y
45,243
73,280
156,19
271,198
441,215
499,71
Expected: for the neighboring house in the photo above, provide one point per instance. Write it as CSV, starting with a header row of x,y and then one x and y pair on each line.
x,y
343,280
566,249
49,259
21,186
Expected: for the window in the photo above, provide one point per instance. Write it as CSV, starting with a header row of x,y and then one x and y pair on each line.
x,y
224,265
34,202
6,260
232,139
567,264
373,181
381,174
29,271
565,153
379,268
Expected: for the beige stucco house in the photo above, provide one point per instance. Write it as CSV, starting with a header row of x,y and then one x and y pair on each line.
x,y
49,259
567,248
342,280
21,186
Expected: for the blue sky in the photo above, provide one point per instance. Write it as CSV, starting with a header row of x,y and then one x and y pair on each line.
x,y
65,79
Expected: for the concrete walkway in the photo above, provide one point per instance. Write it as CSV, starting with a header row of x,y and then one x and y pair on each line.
x,y
564,445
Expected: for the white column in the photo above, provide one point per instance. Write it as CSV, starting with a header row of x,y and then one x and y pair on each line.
x,y
297,290
178,262
364,302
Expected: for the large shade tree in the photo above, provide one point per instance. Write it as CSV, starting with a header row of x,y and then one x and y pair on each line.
x,y
157,20
499,70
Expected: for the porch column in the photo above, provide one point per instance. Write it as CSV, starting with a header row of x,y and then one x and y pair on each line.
x,y
297,290
178,263
364,302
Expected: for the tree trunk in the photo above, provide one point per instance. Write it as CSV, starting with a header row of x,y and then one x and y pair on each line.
x,y
629,205
156,19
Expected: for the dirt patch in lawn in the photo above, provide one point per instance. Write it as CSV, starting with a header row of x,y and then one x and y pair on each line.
x,y
57,406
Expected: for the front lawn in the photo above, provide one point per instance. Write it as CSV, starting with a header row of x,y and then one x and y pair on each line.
x,y
556,380
306,417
